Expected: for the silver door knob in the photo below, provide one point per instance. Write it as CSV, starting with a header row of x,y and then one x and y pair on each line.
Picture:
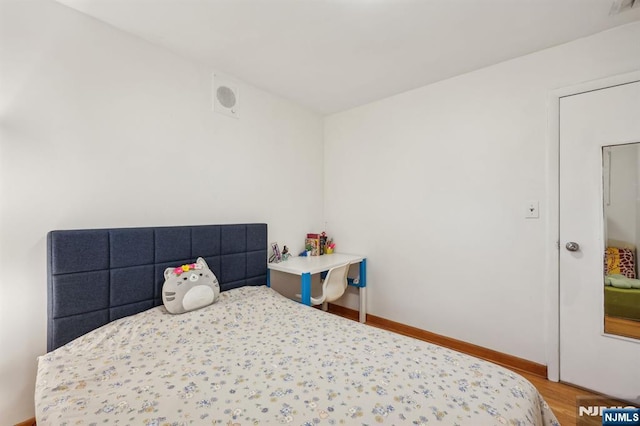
x,y
571,246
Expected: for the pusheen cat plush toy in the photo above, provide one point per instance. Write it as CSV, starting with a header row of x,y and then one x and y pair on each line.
x,y
189,287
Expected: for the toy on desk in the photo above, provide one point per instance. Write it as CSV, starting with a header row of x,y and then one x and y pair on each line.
x,y
285,253
305,253
323,242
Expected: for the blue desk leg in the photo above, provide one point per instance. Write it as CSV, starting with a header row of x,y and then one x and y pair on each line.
x,y
363,290
306,288
268,277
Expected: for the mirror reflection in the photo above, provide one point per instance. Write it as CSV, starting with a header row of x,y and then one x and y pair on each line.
x,y
621,200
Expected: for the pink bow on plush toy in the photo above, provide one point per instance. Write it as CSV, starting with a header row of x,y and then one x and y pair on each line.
x,y
186,268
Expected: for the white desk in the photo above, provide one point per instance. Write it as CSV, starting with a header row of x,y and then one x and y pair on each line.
x,y
307,266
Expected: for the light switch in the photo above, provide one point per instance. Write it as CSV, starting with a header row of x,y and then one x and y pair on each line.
x,y
532,210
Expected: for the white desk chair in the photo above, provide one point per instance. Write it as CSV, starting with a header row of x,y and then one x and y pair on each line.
x,y
333,286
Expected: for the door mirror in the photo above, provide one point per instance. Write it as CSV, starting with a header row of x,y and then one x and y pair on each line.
x,y
621,204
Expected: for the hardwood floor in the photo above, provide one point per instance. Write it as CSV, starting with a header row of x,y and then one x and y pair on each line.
x,y
562,398
622,327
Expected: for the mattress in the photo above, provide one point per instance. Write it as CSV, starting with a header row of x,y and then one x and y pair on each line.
x,y
255,357
622,302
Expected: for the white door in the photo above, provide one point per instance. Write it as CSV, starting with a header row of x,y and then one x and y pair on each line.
x,y
588,357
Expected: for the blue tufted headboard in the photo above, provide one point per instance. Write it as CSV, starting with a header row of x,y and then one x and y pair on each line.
x,y
95,276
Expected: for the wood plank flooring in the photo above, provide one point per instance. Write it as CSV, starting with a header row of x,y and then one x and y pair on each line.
x,y
562,398
622,327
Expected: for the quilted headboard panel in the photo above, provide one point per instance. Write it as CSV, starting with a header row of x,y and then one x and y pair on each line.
x,y
95,276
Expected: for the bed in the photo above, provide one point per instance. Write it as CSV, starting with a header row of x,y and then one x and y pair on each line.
x,y
622,303
252,357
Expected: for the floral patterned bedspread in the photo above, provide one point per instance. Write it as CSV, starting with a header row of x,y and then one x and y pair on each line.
x,y
255,357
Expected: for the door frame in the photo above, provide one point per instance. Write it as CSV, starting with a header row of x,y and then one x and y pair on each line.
x,y
552,299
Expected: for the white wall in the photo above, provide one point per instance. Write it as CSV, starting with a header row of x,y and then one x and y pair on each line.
x,y
101,129
621,213
432,184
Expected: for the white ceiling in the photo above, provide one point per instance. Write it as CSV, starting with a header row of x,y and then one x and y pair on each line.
x,y
332,55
